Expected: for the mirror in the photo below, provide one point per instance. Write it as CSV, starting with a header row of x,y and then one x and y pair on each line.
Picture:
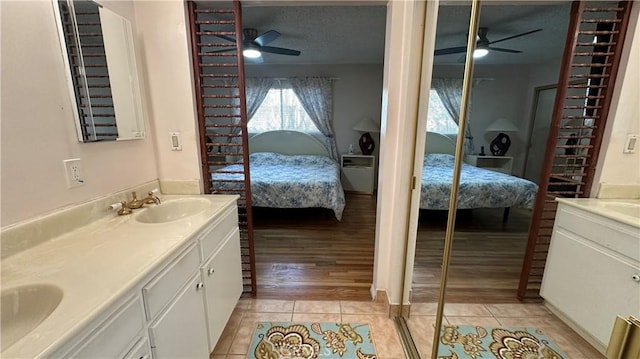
x,y
102,77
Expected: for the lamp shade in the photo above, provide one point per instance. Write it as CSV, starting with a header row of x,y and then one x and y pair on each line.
x,y
501,125
366,125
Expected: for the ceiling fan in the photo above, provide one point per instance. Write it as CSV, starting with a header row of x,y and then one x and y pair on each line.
x,y
482,44
254,45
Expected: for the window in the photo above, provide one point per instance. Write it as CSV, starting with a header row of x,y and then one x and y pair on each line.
x,y
281,110
438,118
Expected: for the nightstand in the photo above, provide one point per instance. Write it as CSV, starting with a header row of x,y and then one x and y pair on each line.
x,y
495,163
358,173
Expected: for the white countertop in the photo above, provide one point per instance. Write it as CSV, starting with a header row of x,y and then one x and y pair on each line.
x,y
626,211
95,266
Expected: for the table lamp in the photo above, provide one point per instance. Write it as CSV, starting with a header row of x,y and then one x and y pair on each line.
x,y
366,141
502,142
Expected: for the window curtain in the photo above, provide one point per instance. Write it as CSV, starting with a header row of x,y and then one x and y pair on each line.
x,y
316,96
450,92
256,89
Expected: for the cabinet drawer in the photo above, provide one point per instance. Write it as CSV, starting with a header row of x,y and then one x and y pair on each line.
x,y
114,336
617,237
166,285
214,235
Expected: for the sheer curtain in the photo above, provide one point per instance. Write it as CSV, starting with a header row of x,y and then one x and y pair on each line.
x,y
450,92
316,96
256,89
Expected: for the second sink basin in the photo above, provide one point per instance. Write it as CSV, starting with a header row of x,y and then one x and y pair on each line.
x,y
24,308
173,210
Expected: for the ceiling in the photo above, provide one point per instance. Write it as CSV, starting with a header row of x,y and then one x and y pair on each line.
x,y
356,34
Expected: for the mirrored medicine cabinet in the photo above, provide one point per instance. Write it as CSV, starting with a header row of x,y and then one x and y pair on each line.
x,y
98,51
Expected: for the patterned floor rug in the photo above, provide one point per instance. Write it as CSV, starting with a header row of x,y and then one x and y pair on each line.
x,y
311,340
462,342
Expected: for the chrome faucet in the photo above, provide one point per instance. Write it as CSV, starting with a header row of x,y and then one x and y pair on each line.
x,y
137,203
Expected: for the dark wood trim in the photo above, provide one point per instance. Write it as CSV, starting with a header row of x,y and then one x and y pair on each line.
x,y
237,8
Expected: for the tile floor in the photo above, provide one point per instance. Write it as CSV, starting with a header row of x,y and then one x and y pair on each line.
x,y
235,340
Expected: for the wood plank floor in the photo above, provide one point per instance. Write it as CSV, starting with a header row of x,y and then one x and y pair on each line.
x,y
308,254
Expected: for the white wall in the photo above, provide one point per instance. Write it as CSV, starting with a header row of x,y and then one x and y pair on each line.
x,y
38,130
357,94
165,47
615,167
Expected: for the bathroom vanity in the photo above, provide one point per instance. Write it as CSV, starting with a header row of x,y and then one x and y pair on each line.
x,y
592,272
159,283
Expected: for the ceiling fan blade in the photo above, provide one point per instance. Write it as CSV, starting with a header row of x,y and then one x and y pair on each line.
x,y
515,36
280,50
267,37
450,50
505,50
228,38
220,50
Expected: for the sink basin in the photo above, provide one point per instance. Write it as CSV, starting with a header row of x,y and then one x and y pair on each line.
x,y
629,209
24,308
173,210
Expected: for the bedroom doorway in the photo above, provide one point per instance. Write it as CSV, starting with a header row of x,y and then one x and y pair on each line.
x,y
298,253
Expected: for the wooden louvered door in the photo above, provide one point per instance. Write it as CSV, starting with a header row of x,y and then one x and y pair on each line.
x,y
589,66
222,115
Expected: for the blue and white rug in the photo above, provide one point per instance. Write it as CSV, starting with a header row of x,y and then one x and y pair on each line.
x,y
462,342
312,340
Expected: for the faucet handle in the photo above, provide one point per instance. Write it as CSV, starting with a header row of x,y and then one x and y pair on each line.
x,y
121,207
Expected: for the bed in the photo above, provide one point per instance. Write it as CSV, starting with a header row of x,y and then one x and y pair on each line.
x,y
288,169
479,187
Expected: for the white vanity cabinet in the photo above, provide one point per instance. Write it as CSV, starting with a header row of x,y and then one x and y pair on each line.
x,y
222,277
179,306
591,272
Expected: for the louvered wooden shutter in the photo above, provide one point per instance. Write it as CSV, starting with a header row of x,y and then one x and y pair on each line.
x,y
589,67
222,114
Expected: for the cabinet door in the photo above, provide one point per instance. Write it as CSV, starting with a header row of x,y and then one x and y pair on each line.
x,y
589,285
223,286
181,331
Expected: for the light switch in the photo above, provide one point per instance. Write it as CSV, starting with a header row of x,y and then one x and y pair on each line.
x,y
630,144
176,142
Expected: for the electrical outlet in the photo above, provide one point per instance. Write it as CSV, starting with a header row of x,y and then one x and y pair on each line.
x,y
74,172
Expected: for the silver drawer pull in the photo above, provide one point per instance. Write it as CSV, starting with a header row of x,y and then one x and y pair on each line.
x,y
144,357
199,286
211,271
636,277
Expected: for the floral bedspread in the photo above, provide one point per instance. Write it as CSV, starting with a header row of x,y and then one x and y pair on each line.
x,y
290,181
479,188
